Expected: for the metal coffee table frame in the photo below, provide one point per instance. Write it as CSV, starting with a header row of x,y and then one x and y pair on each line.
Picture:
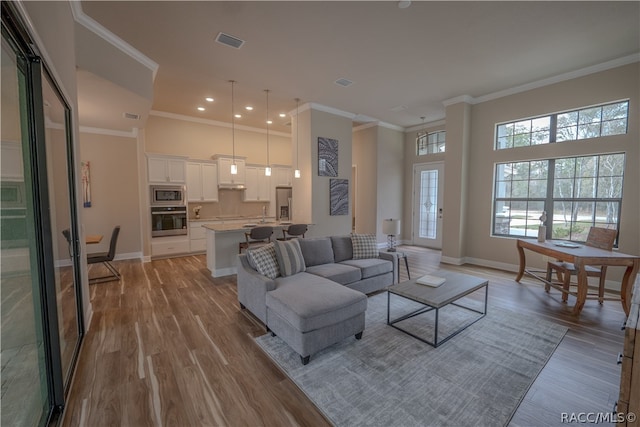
x,y
428,308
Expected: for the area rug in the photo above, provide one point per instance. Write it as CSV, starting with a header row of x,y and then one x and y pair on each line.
x,y
388,378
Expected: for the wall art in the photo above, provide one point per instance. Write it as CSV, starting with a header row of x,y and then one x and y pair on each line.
x,y
86,184
327,157
339,196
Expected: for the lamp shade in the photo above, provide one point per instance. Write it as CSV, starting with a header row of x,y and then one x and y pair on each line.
x,y
391,227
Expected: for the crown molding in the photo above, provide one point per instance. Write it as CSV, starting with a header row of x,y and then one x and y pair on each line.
x,y
210,122
615,63
437,123
133,133
92,25
331,110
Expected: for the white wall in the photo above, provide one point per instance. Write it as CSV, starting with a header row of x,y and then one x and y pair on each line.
x,y
114,192
468,235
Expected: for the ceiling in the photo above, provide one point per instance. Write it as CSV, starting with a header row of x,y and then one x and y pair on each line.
x,y
403,62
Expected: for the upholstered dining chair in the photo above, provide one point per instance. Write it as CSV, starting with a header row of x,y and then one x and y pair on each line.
x,y
258,236
106,258
294,230
602,238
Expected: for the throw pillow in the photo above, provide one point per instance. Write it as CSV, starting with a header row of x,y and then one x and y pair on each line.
x,y
364,246
263,259
289,255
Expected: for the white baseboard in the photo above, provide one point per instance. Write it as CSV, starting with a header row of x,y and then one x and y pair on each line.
x,y
219,272
451,260
146,258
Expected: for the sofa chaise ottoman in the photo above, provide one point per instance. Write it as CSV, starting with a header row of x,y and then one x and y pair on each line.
x,y
311,292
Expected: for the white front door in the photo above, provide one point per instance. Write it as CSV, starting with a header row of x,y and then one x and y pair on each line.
x,y
428,184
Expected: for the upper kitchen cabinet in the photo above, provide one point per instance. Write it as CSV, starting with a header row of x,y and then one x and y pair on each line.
x,y
224,171
282,176
202,182
258,185
166,169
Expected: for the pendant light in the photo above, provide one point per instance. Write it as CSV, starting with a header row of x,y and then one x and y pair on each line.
x,y
234,167
296,173
267,170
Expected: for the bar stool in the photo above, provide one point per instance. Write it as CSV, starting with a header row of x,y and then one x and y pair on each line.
x,y
258,236
294,230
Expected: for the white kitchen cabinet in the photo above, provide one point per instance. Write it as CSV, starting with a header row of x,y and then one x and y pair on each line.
x,y
224,171
197,237
258,185
172,245
202,182
164,169
282,176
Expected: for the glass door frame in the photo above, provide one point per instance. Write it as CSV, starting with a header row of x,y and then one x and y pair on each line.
x,y
15,32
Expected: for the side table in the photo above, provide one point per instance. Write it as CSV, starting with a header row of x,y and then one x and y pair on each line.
x,y
399,256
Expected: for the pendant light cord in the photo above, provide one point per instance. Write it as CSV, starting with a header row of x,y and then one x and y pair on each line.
x,y
233,123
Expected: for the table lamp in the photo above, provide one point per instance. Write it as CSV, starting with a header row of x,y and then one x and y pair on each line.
x,y
391,227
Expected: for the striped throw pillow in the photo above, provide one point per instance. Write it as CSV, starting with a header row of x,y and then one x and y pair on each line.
x,y
263,259
289,255
364,246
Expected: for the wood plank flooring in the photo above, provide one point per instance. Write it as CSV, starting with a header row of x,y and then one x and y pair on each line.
x,y
169,346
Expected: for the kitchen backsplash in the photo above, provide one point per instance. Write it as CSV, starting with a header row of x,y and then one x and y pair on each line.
x,y
229,203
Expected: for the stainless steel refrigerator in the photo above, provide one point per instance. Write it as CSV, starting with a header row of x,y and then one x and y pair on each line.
x,y
283,203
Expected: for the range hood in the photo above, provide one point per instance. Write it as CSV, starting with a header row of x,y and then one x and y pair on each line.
x,y
231,187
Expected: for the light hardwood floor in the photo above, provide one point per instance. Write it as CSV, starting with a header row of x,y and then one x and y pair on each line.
x,y
168,345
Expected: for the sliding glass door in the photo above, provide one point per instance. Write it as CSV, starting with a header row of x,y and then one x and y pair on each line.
x,y
41,318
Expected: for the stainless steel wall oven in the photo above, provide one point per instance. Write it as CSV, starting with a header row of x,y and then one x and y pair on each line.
x,y
168,221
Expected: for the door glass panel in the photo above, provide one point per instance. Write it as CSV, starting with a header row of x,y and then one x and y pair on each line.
x,y
24,385
56,142
428,204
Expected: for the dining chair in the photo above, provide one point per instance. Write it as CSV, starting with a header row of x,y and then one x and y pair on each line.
x,y
601,238
294,230
106,258
258,236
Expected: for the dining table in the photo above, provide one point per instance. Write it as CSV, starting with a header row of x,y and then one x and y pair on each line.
x,y
92,239
581,256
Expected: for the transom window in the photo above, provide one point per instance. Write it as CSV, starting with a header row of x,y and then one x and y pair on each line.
x,y
576,193
430,143
592,122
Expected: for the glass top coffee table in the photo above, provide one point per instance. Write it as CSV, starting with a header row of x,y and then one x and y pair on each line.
x,y
456,286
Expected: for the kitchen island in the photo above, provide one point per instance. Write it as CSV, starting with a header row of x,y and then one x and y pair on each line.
x,y
223,240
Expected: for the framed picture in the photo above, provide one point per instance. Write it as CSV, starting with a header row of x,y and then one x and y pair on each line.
x,y
339,196
327,157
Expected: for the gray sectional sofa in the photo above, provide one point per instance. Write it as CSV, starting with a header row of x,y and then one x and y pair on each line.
x,y
321,305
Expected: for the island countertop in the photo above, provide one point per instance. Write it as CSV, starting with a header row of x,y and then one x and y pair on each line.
x,y
226,227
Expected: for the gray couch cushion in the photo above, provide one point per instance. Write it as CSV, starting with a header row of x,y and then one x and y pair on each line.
x,y
289,257
314,303
371,266
340,273
342,248
316,251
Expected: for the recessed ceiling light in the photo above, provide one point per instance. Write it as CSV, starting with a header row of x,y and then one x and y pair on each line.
x,y
248,108
209,99
200,108
238,116
283,115
269,122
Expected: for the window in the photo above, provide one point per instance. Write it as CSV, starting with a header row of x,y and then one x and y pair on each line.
x,y
591,122
576,193
430,143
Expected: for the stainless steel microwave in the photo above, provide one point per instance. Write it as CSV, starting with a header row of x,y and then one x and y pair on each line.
x,y
168,195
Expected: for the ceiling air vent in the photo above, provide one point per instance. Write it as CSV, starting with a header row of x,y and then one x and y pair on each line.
x,y
131,116
343,82
229,40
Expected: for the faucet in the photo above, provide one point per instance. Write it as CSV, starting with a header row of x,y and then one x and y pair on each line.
x,y
264,212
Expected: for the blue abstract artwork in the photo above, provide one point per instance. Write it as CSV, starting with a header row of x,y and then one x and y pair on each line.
x,y
327,157
339,196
